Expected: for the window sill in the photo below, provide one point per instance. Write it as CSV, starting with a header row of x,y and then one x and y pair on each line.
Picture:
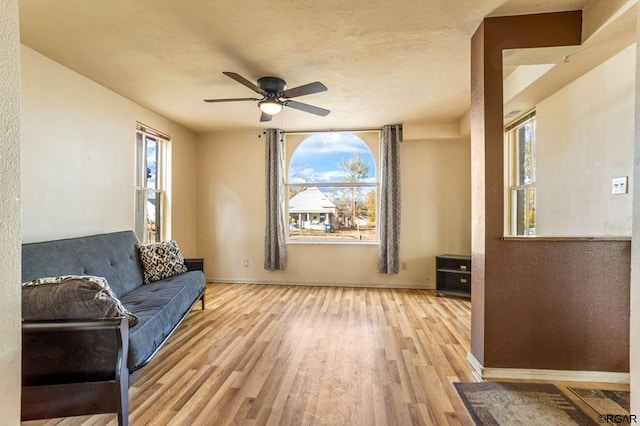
x,y
567,238
332,242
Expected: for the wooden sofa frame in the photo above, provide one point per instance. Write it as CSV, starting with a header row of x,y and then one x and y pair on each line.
x,y
75,367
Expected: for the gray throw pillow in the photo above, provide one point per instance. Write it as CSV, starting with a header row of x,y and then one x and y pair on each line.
x,y
161,260
71,297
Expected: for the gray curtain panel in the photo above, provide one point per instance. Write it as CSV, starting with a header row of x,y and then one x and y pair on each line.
x,y
275,248
389,218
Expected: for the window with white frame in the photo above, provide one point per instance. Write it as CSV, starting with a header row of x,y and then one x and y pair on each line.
x,y
332,188
521,148
150,185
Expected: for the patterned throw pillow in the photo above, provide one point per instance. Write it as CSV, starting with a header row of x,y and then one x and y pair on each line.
x,y
72,297
161,260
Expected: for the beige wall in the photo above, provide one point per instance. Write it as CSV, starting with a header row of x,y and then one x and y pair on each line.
x,y
10,213
435,216
78,157
584,139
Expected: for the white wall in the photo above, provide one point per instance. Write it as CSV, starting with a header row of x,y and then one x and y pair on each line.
x,y
436,216
10,349
584,139
78,157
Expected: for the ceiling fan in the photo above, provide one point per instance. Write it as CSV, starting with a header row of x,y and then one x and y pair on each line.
x,y
275,95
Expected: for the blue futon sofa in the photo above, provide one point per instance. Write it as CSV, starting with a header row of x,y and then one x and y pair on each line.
x,y
82,366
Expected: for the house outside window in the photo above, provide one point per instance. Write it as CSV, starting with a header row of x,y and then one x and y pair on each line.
x,y
332,187
521,146
150,185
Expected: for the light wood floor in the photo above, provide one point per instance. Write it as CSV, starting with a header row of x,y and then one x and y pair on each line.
x,y
288,355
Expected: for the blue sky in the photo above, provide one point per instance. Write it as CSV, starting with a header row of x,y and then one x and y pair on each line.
x,y
316,159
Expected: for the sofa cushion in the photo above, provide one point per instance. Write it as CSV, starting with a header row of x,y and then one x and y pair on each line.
x,y
161,260
113,256
160,306
71,297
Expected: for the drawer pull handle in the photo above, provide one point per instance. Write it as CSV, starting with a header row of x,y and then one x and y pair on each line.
x,y
463,280
463,267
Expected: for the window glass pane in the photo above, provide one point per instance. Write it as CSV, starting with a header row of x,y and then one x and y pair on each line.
x,y
526,154
333,212
139,159
141,214
525,211
151,179
531,211
148,215
154,210
519,213
531,162
153,224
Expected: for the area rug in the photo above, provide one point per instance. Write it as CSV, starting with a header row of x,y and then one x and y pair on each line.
x,y
526,404
605,401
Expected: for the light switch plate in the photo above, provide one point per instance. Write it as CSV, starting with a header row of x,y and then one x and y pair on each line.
x,y
619,185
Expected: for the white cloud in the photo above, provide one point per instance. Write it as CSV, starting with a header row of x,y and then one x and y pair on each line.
x,y
334,142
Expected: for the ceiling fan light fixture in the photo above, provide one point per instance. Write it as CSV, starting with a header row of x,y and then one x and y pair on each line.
x,y
270,106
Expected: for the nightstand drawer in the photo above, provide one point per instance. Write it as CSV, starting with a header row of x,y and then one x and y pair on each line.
x,y
458,281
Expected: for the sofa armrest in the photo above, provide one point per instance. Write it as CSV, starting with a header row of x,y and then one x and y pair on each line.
x,y
84,360
194,263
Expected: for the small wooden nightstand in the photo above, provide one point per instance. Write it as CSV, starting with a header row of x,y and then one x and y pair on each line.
x,y
453,275
194,263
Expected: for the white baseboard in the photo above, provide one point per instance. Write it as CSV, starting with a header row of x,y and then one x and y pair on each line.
x,y
547,375
321,284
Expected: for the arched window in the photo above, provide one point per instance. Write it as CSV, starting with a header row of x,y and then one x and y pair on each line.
x,y
332,186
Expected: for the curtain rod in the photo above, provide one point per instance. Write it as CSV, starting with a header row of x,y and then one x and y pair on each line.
x,y
303,132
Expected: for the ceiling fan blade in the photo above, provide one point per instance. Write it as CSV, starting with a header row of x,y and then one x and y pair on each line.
x,y
240,79
231,100
265,117
308,108
306,89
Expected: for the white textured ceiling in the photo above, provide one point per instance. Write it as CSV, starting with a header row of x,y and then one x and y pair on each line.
x,y
383,61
